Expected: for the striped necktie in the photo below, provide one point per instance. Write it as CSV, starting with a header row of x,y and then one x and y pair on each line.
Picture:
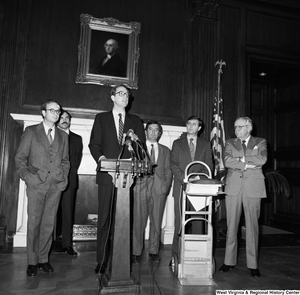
x,y
121,128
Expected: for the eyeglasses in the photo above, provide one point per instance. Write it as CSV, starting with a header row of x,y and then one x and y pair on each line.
x,y
240,126
122,94
53,111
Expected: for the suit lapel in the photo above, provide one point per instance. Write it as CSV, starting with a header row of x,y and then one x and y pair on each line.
x,y
42,135
251,143
160,151
238,145
198,149
111,122
57,139
127,123
186,149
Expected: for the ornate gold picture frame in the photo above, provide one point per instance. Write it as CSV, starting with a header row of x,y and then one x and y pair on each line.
x,y
108,52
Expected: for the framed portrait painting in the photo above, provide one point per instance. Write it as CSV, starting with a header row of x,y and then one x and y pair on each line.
x,y
108,52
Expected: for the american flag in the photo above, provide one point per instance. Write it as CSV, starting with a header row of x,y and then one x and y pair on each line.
x,y
217,136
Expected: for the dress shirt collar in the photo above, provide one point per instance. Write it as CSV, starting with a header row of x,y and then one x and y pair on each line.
x,y
194,141
116,114
46,128
247,140
148,143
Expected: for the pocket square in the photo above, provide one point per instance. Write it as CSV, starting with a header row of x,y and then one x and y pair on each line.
x,y
255,148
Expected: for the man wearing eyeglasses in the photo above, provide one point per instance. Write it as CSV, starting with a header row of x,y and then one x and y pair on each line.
x,y
106,143
244,157
42,161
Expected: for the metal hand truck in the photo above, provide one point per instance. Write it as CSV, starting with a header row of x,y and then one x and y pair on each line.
x,y
195,263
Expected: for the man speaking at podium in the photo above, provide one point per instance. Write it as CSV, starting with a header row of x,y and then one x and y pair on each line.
x,y
106,142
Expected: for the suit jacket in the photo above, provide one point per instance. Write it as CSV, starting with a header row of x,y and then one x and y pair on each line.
x,y
162,174
113,67
252,179
75,145
181,157
104,140
41,165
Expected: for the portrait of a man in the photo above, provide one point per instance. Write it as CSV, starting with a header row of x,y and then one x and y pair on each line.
x,y
111,64
108,54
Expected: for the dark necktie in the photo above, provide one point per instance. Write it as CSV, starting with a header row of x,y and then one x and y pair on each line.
x,y
50,136
192,149
121,128
244,146
152,154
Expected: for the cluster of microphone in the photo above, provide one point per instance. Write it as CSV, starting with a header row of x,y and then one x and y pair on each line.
x,y
128,138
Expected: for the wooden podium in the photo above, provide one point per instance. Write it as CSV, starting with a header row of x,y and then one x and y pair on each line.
x,y
119,279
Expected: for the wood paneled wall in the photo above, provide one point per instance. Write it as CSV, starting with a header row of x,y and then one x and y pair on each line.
x,y
287,150
48,50
10,132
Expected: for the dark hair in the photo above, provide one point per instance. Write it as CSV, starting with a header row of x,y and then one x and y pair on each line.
x,y
64,111
154,122
195,118
114,89
159,127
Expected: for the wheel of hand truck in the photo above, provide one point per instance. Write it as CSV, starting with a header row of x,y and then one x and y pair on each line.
x,y
174,265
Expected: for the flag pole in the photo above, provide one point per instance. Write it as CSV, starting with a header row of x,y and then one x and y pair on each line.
x,y
219,63
218,133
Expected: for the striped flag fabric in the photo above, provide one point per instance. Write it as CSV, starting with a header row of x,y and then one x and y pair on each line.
x,y
217,136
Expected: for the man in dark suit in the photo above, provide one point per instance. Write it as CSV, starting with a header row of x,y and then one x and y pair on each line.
x,y
150,194
188,148
106,142
244,157
42,161
111,64
68,198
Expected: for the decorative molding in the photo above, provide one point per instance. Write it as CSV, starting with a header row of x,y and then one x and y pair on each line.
x,y
206,10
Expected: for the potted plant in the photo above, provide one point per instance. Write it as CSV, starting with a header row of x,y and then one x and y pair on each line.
x,y
276,183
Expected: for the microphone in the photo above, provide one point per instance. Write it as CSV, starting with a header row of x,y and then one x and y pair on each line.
x,y
133,136
123,139
130,148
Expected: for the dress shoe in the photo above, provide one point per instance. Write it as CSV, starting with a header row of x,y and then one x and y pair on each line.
x,y
100,268
255,272
136,258
226,268
32,270
70,251
154,257
46,267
